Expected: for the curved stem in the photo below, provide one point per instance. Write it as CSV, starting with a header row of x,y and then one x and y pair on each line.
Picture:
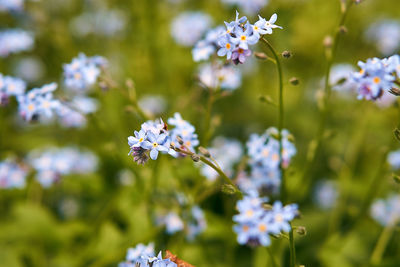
x,y
207,121
382,244
212,165
327,92
280,117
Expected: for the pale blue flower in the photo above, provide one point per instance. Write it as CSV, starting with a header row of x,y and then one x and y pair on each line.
x,y
156,143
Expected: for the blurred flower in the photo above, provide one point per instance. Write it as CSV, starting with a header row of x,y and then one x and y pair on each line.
x,y
386,35
172,222
105,22
10,86
255,224
183,130
11,5
83,72
325,194
152,104
394,159
52,163
217,76
197,224
227,152
263,152
188,27
248,6
85,105
386,211
30,69
135,254
15,41
12,174
38,102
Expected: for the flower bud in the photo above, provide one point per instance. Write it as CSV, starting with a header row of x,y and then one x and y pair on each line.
x,y
343,29
267,99
180,141
228,189
195,158
395,91
397,133
260,55
396,178
294,81
286,54
204,151
328,41
301,230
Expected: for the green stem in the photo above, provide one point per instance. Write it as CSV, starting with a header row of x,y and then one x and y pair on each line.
x,y
212,165
327,92
280,117
382,244
292,249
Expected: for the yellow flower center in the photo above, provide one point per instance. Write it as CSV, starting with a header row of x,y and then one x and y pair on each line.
x,y
31,107
279,218
243,37
245,228
262,227
141,140
155,145
228,46
249,213
377,80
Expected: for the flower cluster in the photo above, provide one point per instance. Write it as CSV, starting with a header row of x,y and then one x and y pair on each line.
x,y
183,134
188,27
207,46
376,76
154,137
15,41
193,224
218,76
255,224
248,6
12,174
135,254
10,86
145,260
52,163
263,152
227,152
83,71
240,34
38,102
386,211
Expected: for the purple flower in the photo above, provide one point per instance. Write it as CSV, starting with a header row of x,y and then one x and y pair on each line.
x,y
239,55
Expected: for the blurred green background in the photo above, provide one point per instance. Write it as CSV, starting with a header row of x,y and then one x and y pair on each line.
x,y
37,226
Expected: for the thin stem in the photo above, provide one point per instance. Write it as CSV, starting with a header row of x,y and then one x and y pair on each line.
x,y
382,244
327,91
212,165
280,117
292,249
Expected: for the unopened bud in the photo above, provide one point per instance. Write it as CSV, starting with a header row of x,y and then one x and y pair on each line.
x,y
180,141
286,54
328,41
195,158
301,230
260,55
395,91
267,206
267,99
343,29
204,151
294,81
228,189
397,133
